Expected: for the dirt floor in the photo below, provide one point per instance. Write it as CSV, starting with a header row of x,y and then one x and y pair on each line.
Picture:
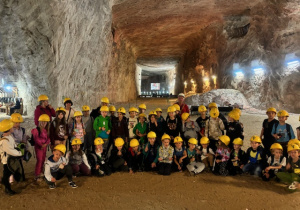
x,y
151,191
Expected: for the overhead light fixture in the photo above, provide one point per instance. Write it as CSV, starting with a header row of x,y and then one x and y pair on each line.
x,y
205,79
258,70
214,77
8,87
293,63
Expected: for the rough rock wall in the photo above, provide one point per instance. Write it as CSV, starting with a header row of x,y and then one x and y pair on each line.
x,y
274,32
63,48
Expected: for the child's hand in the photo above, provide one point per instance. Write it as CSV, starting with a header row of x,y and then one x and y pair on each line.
x,y
84,133
268,169
97,167
193,126
170,158
53,179
242,166
146,148
103,128
125,164
131,171
198,151
99,128
236,158
44,145
153,165
160,159
108,132
179,168
180,160
138,153
192,159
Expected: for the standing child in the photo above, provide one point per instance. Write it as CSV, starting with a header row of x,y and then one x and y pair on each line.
x,y
112,111
214,127
237,157
141,129
202,120
154,126
42,140
222,156
234,128
135,157
132,121
266,131
165,156
77,159
59,128
160,121
255,157
118,158
7,147
195,166
56,167
78,128
180,160
207,154
142,108
282,131
173,124
120,126
97,161
88,121
276,162
292,174
189,128
150,152
102,127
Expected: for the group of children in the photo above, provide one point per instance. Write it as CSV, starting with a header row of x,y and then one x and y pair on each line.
x,y
141,143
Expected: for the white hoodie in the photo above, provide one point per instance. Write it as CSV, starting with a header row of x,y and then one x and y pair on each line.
x,y
7,147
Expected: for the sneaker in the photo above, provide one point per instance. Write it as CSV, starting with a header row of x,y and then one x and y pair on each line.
x,y
9,192
72,184
293,186
192,173
52,186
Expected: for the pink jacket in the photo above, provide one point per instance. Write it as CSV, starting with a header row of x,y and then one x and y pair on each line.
x,y
42,139
40,110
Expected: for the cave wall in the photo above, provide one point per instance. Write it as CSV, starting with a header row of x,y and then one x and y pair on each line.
x,y
64,49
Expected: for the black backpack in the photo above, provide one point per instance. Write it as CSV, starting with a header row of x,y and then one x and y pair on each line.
x,y
31,140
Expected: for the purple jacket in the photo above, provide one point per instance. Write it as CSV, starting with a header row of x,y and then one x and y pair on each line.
x,y
40,110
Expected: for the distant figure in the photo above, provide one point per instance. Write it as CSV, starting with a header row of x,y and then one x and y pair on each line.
x,y
17,106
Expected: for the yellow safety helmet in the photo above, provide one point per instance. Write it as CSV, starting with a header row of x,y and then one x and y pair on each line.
x,y
104,109
134,143
61,148
202,108
177,107
255,139
271,109
142,106
132,109
6,125
193,141
282,113
171,109
152,113
105,100
237,110
60,109
276,146
225,139
76,141
98,141
85,108
238,141
136,110
185,116
177,139
43,98
68,99
44,118
293,147
212,105
165,136
158,110
234,115
151,135
142,115
122,110
214,112
112,109
294,141
119,142
204,140
16,117
77,113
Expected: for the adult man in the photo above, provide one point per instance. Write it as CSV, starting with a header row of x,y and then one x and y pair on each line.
x,y
183,107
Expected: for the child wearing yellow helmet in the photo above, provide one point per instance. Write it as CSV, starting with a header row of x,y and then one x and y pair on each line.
x,y
193,155
77,159
154,126
118,158
255,157
237,157
120,126
150,152
165,156
41,142
235,128
88,121
222,156
69,112
292,174
56,167
207,153
160,119
78,128
180,160
275,163
102,126
142,108
190,128
99,166
266,131
135,157
282,131
132,121
59,129
18,131
141,129
201,121
173,123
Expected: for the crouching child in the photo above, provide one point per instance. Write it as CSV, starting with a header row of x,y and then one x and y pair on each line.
x,y
195,166
118,158
56,167
180,160
135,157
222,156
237,157
150,152
207,153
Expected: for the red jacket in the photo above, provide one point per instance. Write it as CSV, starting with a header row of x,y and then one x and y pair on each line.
x,y
183,108
40,110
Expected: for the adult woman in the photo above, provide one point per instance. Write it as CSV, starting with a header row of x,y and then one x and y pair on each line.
x,y
43,108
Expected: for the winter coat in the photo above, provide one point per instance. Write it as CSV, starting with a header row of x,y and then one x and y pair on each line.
x,y
40,110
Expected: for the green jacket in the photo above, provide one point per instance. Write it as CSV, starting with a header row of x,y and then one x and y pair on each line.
x,y
100,121
142,130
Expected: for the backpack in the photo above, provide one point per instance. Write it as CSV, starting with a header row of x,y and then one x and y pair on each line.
x,y
288,129
31,140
